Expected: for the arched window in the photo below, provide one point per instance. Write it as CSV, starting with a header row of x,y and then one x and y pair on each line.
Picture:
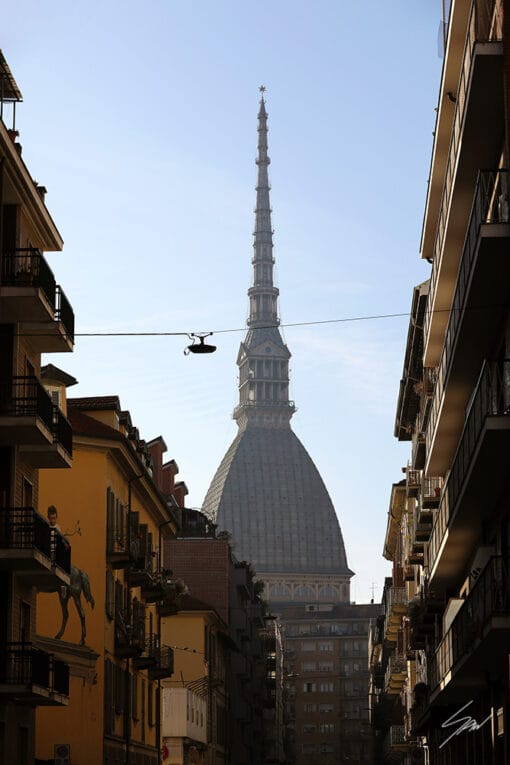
x,y
304,592
280,591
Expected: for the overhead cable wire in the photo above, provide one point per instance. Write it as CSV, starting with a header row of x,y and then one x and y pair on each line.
x,y
315,322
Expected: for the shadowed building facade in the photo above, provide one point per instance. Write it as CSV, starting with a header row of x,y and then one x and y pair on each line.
x,y
267,492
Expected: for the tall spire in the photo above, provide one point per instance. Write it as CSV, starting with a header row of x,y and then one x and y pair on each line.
x,y
263,358
263,295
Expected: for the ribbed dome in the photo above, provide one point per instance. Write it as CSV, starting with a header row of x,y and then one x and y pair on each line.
x,y
269,495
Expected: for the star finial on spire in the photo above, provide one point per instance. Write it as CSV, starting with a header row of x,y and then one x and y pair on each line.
x,y
262,90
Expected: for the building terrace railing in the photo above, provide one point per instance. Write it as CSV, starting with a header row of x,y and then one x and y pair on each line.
x,y
24,396
27,267
487,400
64,313
485,25
490,205
21,664
489,596
22,528
62,430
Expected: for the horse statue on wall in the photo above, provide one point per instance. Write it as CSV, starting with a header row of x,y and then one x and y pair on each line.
x,y
79,584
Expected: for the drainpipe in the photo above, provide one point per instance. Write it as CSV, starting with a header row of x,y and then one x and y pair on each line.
x,y
127,707
158,697
506,368
2,165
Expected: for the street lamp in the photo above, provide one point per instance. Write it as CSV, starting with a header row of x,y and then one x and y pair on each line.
x,y
201,347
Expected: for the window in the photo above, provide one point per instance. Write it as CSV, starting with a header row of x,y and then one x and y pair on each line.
x,y
309,687
110,594
23,739
308,645
120,689
310,728
326,748
327,687
24,622
143,711
327,728
309,748
326,646
326,707
109,715
151,704
309,707
308,666
325,666
134,697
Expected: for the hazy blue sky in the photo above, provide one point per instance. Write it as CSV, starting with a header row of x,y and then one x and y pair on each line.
x,y
141,121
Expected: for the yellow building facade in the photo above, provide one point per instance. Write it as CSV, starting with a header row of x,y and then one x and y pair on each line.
x,y
194,702
107,623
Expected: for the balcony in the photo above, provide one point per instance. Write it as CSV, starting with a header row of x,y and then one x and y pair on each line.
x,y
31,676
425,612
32,549
413,481
29,295
431,488
474,141
418,447
129,635
396,674
396,608
476,312
159,660
422,526
478,637
474,482
29,419
397,737
164,665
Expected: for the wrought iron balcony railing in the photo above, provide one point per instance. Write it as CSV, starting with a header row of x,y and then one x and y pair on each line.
x,y
64,313
22,528
487,400
21,664
129,632
489,597
26,397
62,430
164,663
485,25
490,205
27,267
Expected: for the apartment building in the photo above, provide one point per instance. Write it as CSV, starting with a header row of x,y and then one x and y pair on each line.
x,y
454,408
35,318
195,699
326,649
214,576
107,623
